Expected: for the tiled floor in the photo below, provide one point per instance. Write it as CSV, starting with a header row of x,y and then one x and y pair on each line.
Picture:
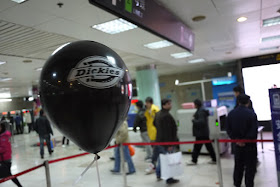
x,y
66,172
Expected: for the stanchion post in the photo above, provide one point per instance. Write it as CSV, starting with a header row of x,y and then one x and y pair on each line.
x,y
123,164
218,159
48,176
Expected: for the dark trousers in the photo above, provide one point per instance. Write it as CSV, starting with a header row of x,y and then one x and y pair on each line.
x,y
48,141
30,127
245,160
5,171
19,129
63,140
197,149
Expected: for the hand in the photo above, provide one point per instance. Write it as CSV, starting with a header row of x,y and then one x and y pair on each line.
x,y
170,149
240,144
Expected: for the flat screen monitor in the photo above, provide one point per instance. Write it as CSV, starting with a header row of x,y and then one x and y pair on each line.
x,y
257,81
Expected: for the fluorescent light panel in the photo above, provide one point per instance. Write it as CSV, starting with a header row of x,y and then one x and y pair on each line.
x,y
115,26
5,100
269,48
270,38
19,1
2,79
38,69
271,21
158,45
196,60
5,95
2,62
181,55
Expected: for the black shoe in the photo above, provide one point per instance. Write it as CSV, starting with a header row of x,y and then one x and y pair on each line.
x,y
159,179
115,172
172,181
42,157
130,173
51,152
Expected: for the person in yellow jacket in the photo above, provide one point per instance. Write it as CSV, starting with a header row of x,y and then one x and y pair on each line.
x,y
150,114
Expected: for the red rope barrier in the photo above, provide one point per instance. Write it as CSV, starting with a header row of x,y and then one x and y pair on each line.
x,y
136,144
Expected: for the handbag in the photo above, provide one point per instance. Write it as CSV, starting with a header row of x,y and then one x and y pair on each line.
x,y
131,150
171,165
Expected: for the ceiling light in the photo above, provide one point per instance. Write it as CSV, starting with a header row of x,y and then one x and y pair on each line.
x,y
242,19
271,21
159,44
181,55
2,62
115,26
38,69
30,98
196,60
269,48
177,82
5,95
19,1
2,79
54,74
266,39
5,100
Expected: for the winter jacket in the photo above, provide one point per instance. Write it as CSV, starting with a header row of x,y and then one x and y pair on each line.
x,y
166,127
140,121
5,146
150,116
122,134
242,123
42,126
200,123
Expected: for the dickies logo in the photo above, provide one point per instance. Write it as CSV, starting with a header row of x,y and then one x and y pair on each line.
x,y
96,72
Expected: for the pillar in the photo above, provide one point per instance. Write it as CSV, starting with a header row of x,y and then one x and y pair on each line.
x,y
147,83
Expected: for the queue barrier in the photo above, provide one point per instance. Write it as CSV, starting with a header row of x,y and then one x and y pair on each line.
x,y
46,163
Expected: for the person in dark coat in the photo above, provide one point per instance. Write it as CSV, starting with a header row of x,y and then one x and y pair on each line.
x,y
201,132
43,128
242,124
237,91
166,132
141,122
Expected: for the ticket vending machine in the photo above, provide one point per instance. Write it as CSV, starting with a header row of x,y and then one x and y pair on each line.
x,y
217,127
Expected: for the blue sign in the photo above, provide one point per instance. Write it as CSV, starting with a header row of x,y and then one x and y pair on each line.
x,y
274,95
224,80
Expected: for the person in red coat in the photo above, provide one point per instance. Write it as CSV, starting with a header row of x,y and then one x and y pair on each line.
x,y
6,153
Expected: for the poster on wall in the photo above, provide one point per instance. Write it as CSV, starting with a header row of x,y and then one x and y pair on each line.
x,y
227,99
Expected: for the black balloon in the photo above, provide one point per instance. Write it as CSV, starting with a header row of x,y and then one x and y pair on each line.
x,y
86,93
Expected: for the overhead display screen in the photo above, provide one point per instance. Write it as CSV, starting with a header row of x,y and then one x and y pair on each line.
x,y
257,81
151,16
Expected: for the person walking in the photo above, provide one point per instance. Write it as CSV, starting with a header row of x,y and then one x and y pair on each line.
x,y
43,128
242,123
151,110
141,122
122,137
18,122
6,153
166,132
201,132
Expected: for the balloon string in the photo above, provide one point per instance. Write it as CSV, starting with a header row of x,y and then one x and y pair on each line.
x,y
81,176
97,170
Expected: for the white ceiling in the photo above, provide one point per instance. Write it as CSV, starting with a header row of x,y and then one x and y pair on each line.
x,y
32,30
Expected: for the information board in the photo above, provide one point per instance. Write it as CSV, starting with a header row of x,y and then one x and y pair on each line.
x,y
151,16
